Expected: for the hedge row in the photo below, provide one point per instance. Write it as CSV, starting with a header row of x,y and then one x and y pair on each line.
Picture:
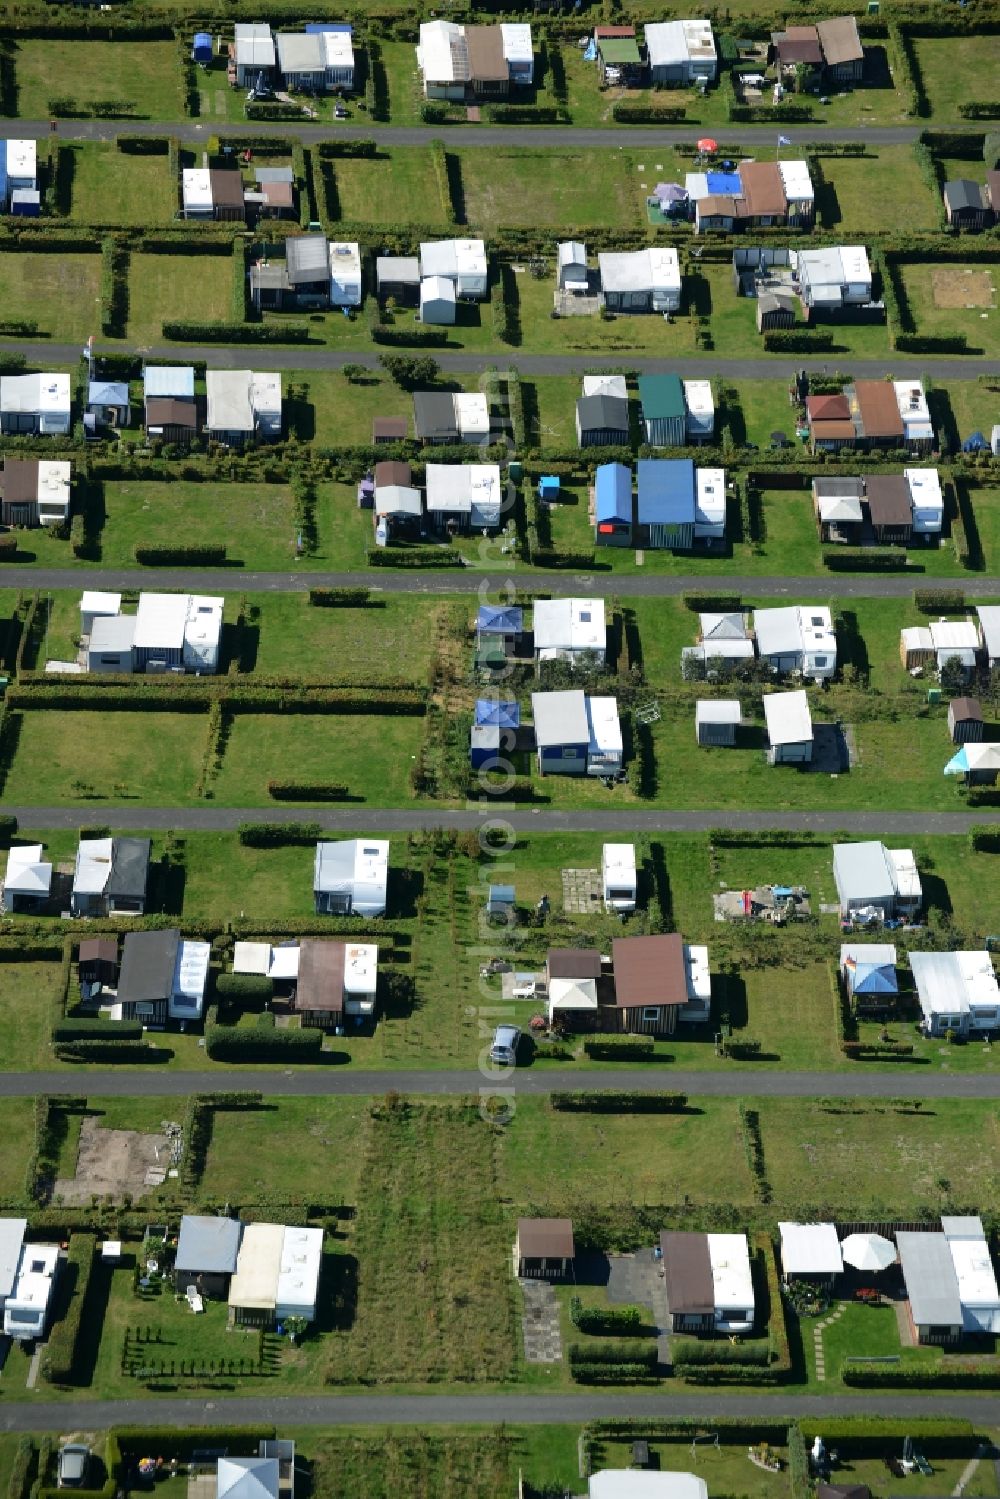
x,y
244,986
798,340
924,343
866,1435
876,1051
687,1352
939,600
97,1030
985,839
415,556
182,1441
618,1048
527,114
307,791
613,1353
608,1321
111,1052
648,114
261,1043
864,560
339,598
236,333
180,556
278,834
19,1479
617,1101
980,109
951,1374
59,1356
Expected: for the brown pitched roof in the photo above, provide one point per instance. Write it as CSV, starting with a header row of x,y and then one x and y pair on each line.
x,y
963,710
545,1238
763,189
277,194
993,190
321,975
837,430
889,502
390,426
828,408
878,409
227,187
486,59
392,471
608,33
19,480
649,971
687,1272
98,950
170,411
840,40
718,205
573,963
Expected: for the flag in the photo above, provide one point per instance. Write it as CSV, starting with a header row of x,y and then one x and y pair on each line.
x,y
850,963
784,140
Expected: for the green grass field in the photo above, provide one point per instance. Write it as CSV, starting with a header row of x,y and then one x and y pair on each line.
x,y
956,69
177,288
572,187
27,994
392,636
116,187
61,293
144,73
372,754
75,757
325,1137
374,190
17,1124
973,287
878,191
734,325
255,522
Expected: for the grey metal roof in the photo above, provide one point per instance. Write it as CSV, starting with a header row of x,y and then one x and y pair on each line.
x,y
404,269
307,258
560,718
434,413
273,174
129,867
602,413
961,193
861,872
12,1232
208,1244
112,632
967,1227
148,962
931,1282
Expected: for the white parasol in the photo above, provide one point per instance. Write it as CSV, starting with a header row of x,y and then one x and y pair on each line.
x,y
868,1251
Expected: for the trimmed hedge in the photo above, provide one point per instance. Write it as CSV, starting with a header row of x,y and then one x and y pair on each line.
x,y
608,1321
985,839
307,791
877,1051
613,1353
339,598
939,600
236,333
798,340
923,343
97,1030
278,834
618,1048
862,560
415,556
58,1364
980,109
19,1479
261,1043
549,557
952,1374
866,1435
695,1351
614,1101
648,114
244,986
111,1052
527,114
180,556
181,1441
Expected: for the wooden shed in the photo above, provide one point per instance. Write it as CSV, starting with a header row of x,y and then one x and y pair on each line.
x,y
965,720
544,1248
916,648
716,720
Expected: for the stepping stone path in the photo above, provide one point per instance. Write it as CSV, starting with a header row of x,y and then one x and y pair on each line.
x,y
818,1330
581,891
540,1323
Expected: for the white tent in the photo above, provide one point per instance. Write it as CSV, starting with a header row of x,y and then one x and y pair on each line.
x,y
247,1478
868,1252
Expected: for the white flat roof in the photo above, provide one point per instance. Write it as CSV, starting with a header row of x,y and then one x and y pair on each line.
x,y
904,872
559,718
93,601
787,717
569,625
258,1264
699,978
187,995
977,1282
44,394
12,1231
605,727
360,967
952,983
954,634
453,257
345,260
197,183
916,638
27,871
778,631
989,624
457,487
254,45
93,865
718,710
441,52
911,400
640,1483
640,270
298,1269
925,488
22,158
338,48
618,861
710,496
472,412
251,957
698,398
810,1249
300,51
517,43
730,1259
796,181
160,621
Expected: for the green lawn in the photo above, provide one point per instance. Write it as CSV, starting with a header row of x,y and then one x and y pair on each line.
x,y
734,323
372,754
145,73
878,191
177,288
372,189
61,293
117,187
460,1463
324,1137
956,69
550,1161
913,1157
523,187
79,756
429,1234
28,992
18,1126
977,315
255,522
393,637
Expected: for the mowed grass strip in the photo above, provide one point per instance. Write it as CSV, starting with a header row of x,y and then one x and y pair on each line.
x,y
27,992
390,638
77,757
61,293
371,753
523,188
144,73
895,1157
255,522
321,1141
116,187
434,1299
177,288
549,1161
17,1125
381,189
883,191
948,299
957,69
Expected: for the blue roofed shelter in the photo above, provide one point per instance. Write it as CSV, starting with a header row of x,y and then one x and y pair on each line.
x,y
201,50
613,505
493,733
500,900
666,503
548,488
499,629
109,402
868,972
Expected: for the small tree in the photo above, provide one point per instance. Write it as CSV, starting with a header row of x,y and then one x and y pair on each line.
x,y
953,676
409,371
295,1327
354,373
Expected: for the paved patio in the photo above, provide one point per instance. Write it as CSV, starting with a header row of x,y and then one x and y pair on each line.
x,y
540,1323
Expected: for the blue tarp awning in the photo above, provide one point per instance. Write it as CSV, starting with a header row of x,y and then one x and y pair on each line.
x,y
201,51
548,487
613,493
107,393
666,491
3,172
870,978
976,443
314,26
494,620
501,895
501,715
727,183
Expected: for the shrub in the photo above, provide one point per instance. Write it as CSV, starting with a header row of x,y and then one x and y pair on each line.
x,y
527,114
500,311
244,986
59,1356
985,839
180,556
648,114
605,1321
8,546
307,791
111,1051
709,603
96,1030
980,109
691,1351
20,1473
923,343
415,556
613,1101
613,1353
865,560
182,1441
618,1048
797,340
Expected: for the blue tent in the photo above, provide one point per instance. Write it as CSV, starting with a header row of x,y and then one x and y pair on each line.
x,y
201,51
495,620
975,444
3,174
872,978
724,182
548,488
501,715
613,504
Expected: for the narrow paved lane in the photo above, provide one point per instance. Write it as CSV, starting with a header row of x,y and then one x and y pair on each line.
x,y
489,1409
744,1081
315,358
404,819
494,575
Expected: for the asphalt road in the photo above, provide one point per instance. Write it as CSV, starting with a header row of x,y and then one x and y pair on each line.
x,y
409,819
485,135
310,357
343,1080
488,581
489,1409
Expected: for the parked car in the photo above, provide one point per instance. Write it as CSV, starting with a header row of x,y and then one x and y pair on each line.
x,y
74,1463
505,1043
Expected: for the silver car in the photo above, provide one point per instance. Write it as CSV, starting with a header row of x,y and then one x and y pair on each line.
x,y
74,1462
505,1044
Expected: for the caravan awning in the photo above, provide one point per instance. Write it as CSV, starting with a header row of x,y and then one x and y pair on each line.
x,y
974,757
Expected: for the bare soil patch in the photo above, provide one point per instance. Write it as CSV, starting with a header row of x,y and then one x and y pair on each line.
x,y
958,286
